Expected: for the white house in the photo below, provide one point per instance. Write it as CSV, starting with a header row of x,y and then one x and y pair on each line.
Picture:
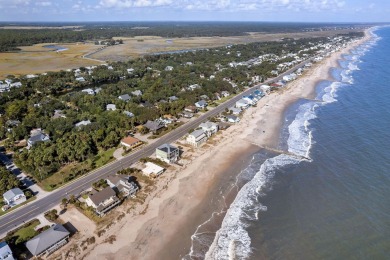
x,y
225,93
82,123
196,138
137,93
37,136
14,197
265,88
111,107
233,119
209,128
152,169
5,252
89,91
235,110
122,185
103,201
80,79
168,68
202,104
167,153
193,87
242,104
130,71
129,114
125,97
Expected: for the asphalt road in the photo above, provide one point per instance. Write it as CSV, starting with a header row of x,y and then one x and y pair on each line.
x,y
34,208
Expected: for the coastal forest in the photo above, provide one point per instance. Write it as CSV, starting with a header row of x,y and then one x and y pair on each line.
x,y
10,39
33,105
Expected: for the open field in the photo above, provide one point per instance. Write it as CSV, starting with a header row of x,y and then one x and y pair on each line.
x,y
37,59
11,27
141,45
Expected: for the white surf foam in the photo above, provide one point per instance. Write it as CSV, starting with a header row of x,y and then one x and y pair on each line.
x,y
300,138
232,240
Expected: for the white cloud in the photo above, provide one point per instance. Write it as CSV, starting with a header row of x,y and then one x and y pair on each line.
x,y
133,3
44,3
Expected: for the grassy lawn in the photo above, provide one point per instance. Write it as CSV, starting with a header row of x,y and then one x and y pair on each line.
x,y
56,180
26,233
104,157
13,208
74,170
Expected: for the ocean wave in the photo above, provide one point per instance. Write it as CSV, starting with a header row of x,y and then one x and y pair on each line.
x,y
232,241
300,136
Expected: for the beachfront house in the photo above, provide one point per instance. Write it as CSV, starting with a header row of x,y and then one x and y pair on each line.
x,y
131,142
196,138
122,184
152,170
103,201
233,119
235,110
48,241
209,128
167,153
242,103
14,197
5,252
265,88
202,104
250,99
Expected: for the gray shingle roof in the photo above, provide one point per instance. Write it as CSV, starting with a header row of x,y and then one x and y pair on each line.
x,y
167,148
125,97
197,133
45,240
12,193
102,195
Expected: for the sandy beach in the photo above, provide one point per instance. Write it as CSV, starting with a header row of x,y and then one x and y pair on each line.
x,y
187,196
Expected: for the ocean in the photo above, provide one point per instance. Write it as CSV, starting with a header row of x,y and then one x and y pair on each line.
x,y
329,198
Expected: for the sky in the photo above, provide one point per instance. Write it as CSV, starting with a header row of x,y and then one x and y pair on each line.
x,y
196,10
